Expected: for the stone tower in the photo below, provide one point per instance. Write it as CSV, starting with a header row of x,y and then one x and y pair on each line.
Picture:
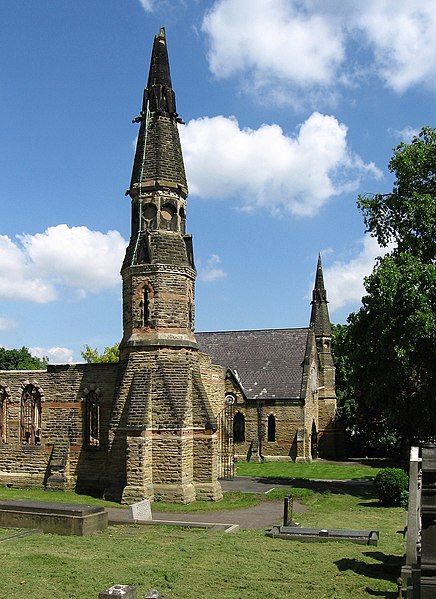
x,y
163,429
320,324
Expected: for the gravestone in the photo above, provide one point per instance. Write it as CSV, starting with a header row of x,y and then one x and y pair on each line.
x,y
141,511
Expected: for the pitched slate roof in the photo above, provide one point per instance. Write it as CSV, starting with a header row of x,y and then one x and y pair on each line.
x,y
268,362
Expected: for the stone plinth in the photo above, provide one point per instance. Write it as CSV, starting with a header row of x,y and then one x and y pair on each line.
x,y
61,519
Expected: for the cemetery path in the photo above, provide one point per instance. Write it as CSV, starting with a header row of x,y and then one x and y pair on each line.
x,y
261,516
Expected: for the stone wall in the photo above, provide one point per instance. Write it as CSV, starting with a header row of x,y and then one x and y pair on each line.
x,y
62,390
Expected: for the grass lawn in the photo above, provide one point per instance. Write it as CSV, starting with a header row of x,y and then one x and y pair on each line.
x,y
231,500
8,532
320,470
39,494
184,563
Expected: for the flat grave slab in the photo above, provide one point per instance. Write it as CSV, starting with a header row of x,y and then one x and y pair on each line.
x,y
298,533
58,518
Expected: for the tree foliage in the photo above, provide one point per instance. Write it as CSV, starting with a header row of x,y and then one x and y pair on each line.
x,y
407,215
389,347
20,359
109,354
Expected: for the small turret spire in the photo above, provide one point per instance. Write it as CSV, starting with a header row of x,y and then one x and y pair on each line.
x,y
319,318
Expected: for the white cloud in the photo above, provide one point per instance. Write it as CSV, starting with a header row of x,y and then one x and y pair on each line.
x,y
344,279
212,271
293,50
18,277
147,5
406,134
280,33
6,324
55,355
402,34
35,267
268,168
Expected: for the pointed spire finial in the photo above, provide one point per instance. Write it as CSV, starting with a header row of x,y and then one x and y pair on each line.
x,y
160,92
319,317
319,277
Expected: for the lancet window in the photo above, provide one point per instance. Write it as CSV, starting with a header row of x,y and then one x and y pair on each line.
x,y
145,307
3,414
30,415
92,419
271,428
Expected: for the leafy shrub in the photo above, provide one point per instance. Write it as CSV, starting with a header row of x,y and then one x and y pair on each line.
x,y
391,486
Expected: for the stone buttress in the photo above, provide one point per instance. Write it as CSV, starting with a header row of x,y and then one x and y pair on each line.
x,y
163,441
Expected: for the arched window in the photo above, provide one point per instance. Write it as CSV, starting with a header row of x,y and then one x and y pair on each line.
x,y
145,307
30,415
239,428
190,311
149,212
182,215
3,414
271,427
92,419
169,217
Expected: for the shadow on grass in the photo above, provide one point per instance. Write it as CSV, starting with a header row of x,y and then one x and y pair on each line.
x,y
371,504
388,568
387,594
359,487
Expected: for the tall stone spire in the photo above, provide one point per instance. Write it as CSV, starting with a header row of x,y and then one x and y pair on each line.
x,y
160,252
162,432
319,318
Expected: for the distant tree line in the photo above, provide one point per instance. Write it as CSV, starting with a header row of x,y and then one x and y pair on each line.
x,y
20,359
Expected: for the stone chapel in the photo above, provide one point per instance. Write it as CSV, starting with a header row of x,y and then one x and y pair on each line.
x,y
151,425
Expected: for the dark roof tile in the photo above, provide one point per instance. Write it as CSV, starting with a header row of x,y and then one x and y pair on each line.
x,y
268,362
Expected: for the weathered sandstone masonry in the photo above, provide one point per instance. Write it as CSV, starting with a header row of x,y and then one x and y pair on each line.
x,y
145,427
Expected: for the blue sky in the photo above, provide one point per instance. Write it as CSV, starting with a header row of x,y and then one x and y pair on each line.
x,y
291,110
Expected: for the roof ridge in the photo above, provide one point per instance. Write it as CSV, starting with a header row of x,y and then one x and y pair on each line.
x,y
255,330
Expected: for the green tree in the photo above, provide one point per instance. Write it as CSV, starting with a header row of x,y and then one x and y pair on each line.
x,y
391,340
20,359
109,354
344,379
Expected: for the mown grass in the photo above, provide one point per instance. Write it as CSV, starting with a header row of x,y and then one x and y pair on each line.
x,y
7,532
39,494
320,470
232,500
185,563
